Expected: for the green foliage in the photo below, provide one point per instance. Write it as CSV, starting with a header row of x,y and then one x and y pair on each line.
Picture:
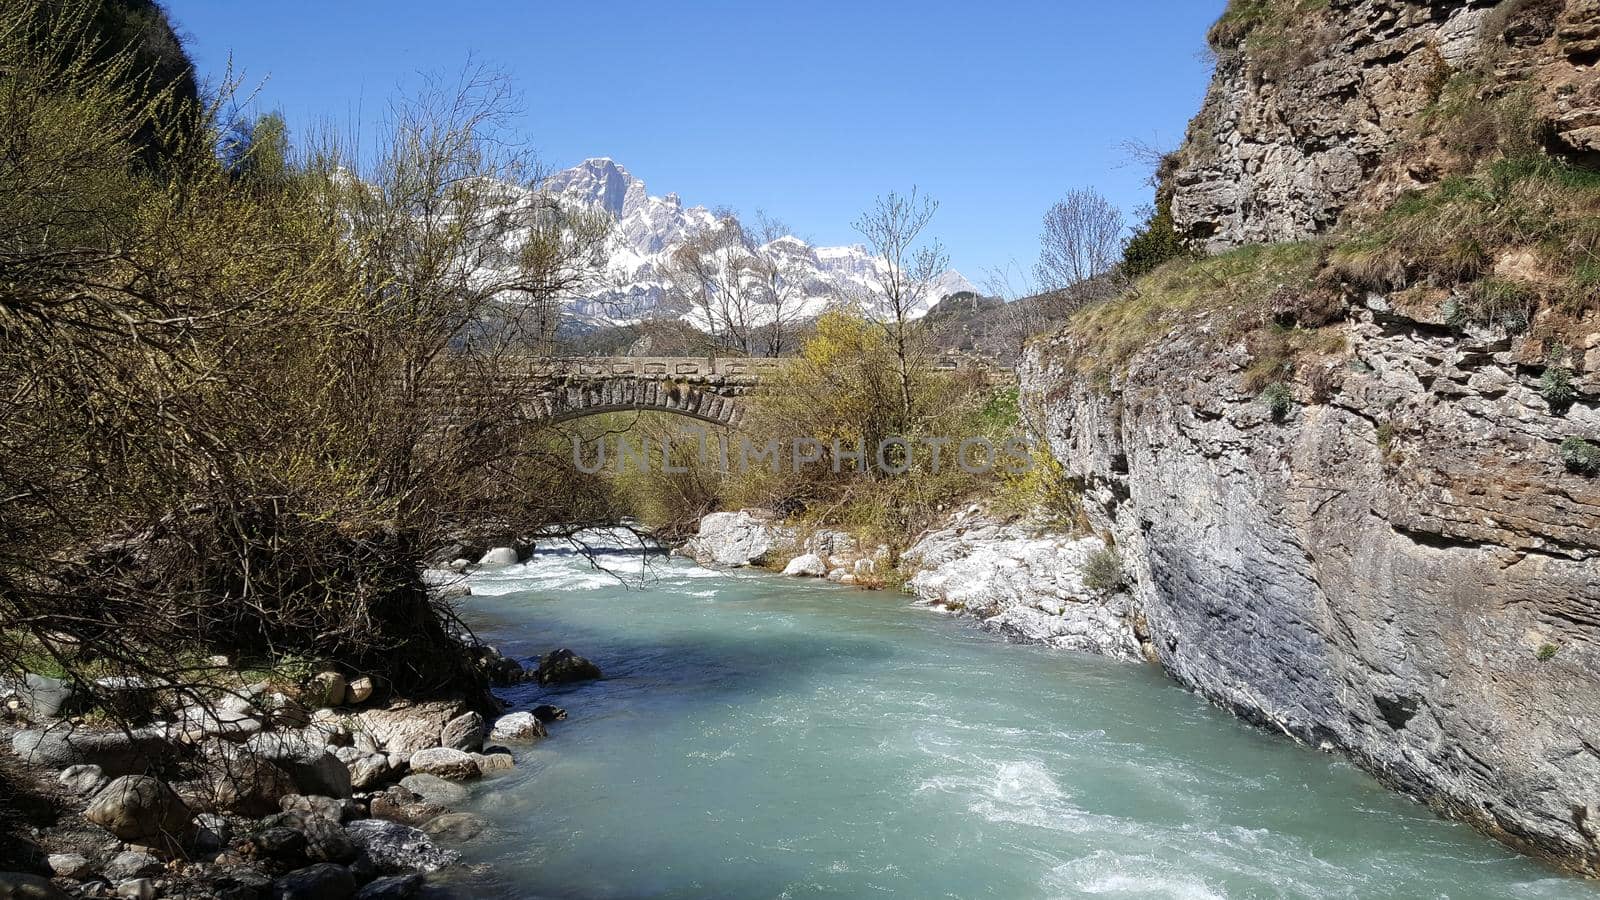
x,y
1279,400
1154,242
1042,494
1580,456
843,388
1555,386
1102,571
1546,652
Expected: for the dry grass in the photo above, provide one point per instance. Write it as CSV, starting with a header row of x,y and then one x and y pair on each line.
x,y
1233,292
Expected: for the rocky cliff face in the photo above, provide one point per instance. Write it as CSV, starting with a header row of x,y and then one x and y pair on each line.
x,y
1318,106
1401,568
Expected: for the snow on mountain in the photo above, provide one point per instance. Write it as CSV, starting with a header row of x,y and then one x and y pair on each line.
x,y
648,230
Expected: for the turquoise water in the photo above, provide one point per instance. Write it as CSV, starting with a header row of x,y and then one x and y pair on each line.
x,y
761,737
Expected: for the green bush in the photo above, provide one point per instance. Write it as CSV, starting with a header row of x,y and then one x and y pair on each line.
x,y
1580,456
1279,400
1547,652
1102,571
1555,386
1154,242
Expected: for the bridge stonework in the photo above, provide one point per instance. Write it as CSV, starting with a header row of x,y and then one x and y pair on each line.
x,y
700,388
697,387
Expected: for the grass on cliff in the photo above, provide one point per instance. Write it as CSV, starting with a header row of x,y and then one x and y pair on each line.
x,y
1518,235
1231,292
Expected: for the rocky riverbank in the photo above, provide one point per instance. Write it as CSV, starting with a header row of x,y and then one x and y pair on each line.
x,y
270,788
1029,584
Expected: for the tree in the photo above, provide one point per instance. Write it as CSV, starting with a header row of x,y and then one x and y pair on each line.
x,y
1082,239
909,266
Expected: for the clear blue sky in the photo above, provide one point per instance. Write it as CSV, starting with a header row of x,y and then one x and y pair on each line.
x,y
806,110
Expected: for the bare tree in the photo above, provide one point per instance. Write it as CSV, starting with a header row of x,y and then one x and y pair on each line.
x,y
711,272
1082,239
909,267
780,273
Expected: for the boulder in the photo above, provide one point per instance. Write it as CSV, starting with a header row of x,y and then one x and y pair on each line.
x,y
46,697
142,810
326,841
21,886
27,886
313,768
368,770
130,864
313,806
546,713
806,565
83,781
407,728
399,848
399,804
358,691
445,763
495,760
325,689
281,842
518,726
115,752
499,557
241,883
732,539
323,881
137,889
465,732
250,786
435,790
563,666
456,827
392,887
70,865
212,832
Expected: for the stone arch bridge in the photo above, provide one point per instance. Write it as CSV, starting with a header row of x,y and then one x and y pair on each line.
x,y
697,387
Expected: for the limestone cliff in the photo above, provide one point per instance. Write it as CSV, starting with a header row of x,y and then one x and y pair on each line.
x,y
1321,105
1354,477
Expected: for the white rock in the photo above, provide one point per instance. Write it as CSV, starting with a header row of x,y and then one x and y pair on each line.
x,y
358,691
518,726
1025,586
445,763
807,565
732,539
499,557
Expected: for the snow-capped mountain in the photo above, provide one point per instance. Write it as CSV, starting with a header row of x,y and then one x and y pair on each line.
x,y
649,229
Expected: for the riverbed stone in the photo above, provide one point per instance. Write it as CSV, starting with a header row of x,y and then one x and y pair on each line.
x,y
250,786
733,539
456,827
141,809
83,780
398,848
563,666
137,889
494,759
405,728
445,763
130,864
115,752
518,726
435,790
392,887
358,691
70,865
806,565
499,557
546,713
465,733
323,881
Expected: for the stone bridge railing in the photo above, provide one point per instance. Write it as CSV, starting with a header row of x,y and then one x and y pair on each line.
x,y
699,387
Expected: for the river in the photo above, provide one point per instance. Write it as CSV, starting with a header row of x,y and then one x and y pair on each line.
x,y
762,737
